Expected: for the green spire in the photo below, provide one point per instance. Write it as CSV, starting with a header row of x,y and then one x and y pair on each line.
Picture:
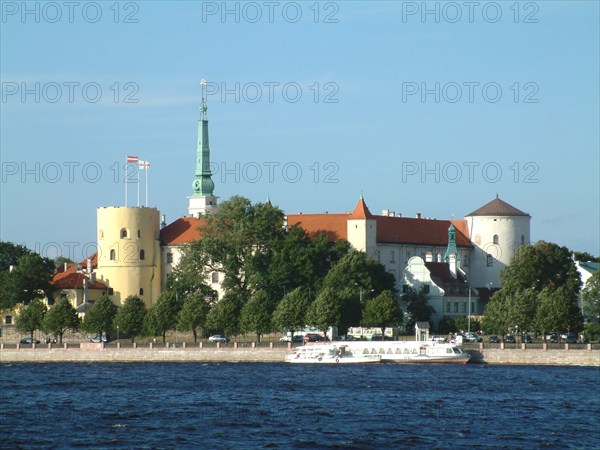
x,y
451,244
203,183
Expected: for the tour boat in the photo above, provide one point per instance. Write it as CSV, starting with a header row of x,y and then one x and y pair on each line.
x,y
411,351
337,353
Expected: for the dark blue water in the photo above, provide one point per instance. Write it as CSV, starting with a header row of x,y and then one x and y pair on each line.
x,y
206,406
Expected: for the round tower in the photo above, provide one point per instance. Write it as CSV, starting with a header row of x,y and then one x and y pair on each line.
x,y
129,252
497,230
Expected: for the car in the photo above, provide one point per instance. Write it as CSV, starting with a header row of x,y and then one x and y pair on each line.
x,y
526,339
99,338
509,339
313,337
571,338
493,339
28,341
553,338
472,337
218,338
285,339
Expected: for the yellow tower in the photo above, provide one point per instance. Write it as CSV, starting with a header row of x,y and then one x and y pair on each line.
x,y
129,260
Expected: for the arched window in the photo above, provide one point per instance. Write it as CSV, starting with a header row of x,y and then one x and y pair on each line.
x,y
124,233
141,291
139,234
142,255
490,260
101,234
215,277
113,254
495,238
522,239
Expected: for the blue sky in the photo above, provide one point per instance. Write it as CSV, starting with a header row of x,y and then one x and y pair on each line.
x,y
431,111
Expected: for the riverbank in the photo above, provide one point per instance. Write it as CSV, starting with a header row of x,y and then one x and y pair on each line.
x,y
98,353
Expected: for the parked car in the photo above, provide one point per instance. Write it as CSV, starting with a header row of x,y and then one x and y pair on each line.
x,y
472,337
28,341
571,338
313,337
218,338
493,339
553,338
509,339
526,339
97,339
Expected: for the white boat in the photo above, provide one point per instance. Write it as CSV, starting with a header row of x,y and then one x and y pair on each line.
x,y
411,351
335,353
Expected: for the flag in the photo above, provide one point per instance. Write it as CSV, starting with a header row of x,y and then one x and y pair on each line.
x,y
143,165
132,159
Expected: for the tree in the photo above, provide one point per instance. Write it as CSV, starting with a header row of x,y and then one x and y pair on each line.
x,y
31,318
417,308
255,315
101,316
290,312
447,325
30,279
224,317
59,261
162,317
382,311
590,298
130,317
60,318
193,313
326,310
558,311
585,257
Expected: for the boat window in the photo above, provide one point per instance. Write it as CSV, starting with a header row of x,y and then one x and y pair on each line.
x,y
448,350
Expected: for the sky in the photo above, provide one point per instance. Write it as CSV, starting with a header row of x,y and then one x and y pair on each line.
x,y
429,107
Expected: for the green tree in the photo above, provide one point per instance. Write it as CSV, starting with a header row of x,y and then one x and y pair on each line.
x,y
256,314
382,311
31,318
30,279
558,311
193,313
447,325
59,261
585,257
162,317
101,316
326,310
417,308
224,317
130,317
60,318
590,298
290,312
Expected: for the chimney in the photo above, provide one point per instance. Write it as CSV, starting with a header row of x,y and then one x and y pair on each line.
x,y
384,213
418,215
429,257
93,278
392,214
399,215
66,266
452,263
89,265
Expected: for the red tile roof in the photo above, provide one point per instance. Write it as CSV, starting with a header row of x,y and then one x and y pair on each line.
x,y
74,280
361,211
407,230
334,225
183,231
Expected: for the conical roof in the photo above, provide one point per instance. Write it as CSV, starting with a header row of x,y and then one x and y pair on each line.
x,y
361,211
497,207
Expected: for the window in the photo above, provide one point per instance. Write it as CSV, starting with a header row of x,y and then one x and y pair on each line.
x,y
139,234
50,301
473,308
455,307
8,320
141,291
392,256
522,239
169,258
124,233
408,255
464,307
495,239
490,260
215,277
405,288
448,306
111,291
101,234
426,289
113,254
378,256
142,255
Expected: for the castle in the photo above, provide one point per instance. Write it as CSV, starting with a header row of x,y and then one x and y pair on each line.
x,y
457,262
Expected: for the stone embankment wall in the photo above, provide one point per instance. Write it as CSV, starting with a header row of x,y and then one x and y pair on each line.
x,y
541,356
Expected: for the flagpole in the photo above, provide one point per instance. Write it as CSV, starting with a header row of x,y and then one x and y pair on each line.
x,y
147,170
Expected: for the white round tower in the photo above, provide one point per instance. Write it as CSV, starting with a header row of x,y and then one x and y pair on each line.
x,y
497,230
